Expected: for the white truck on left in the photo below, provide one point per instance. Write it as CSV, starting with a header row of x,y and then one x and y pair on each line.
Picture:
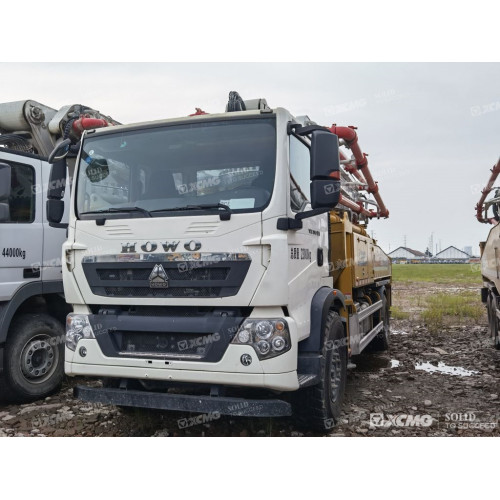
x,y
32,230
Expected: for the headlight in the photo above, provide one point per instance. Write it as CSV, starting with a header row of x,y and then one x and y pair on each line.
x,y
268,337
77,327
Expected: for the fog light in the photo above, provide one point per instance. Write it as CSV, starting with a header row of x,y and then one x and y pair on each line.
x,y
264,347
246,359
82,351
279,344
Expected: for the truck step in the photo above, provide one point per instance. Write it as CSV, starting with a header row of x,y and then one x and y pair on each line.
x,y
187,403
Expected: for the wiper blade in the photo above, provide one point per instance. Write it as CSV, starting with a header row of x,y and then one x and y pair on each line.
x,y
223,216
117,210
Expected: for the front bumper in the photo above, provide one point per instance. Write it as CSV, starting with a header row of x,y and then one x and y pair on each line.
x,y
229,371
278,373
187,403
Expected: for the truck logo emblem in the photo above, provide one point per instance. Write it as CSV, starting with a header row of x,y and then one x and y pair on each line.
x,y
158,277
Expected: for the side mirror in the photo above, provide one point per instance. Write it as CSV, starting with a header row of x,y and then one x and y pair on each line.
x,y
55,191
325,170
57,180
325,193
60,151
55,211
5,181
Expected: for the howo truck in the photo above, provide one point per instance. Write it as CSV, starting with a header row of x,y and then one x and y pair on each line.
x,y
220,263
33,184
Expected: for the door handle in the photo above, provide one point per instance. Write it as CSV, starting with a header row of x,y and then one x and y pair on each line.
x,y
31,272
319,258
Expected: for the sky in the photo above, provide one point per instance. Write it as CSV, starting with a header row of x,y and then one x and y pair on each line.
x,y
431,129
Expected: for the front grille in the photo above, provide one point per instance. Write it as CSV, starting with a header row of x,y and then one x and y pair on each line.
x,y
178,274
119,291
123,274
179,345
214,273
188,279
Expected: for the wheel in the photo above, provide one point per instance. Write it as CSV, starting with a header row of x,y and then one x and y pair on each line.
x,y
493,320
488,311
381,341
318,407
34,357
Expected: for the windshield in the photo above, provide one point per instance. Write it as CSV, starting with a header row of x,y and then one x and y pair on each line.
x,y
176,168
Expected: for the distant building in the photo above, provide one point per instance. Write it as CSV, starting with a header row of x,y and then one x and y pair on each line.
x,y
405,254
452,254
468,250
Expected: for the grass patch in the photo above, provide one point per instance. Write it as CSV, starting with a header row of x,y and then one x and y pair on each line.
x,y
459,274
398,313
442,307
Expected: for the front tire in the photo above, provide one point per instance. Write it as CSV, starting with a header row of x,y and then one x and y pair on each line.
x,y
34,358
319,406
493,326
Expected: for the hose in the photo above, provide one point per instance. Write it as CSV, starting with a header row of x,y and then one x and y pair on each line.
x,y
73,148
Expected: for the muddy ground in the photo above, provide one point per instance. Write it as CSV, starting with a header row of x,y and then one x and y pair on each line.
x,y
462,399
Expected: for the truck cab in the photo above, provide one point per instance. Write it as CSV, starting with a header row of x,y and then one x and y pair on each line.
x,y
31,291
32,306
199,254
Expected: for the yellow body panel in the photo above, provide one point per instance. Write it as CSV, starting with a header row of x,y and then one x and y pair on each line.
x,y
356,258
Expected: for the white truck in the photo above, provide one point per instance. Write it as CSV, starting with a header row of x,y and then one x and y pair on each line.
x,y
32,306
490,262
220,263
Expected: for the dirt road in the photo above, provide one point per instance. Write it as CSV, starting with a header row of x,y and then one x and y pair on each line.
x,y
443,383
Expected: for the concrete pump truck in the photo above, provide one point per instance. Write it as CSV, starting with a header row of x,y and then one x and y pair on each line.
x,y
490,254
32,307
220,263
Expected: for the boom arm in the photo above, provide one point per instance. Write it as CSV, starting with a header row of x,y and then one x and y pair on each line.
x,y
481,205
359,168
32,127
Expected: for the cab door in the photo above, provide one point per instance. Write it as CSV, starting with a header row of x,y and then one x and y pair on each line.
x,y
21,230
308,262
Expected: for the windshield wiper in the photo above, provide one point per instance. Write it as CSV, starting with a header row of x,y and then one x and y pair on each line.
x,y
226,215
113,210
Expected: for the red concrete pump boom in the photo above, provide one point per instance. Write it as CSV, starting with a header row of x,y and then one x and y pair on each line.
x,y
480,207
359,168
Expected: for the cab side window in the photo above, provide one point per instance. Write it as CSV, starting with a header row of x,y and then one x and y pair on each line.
x,y
21,200
299,174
